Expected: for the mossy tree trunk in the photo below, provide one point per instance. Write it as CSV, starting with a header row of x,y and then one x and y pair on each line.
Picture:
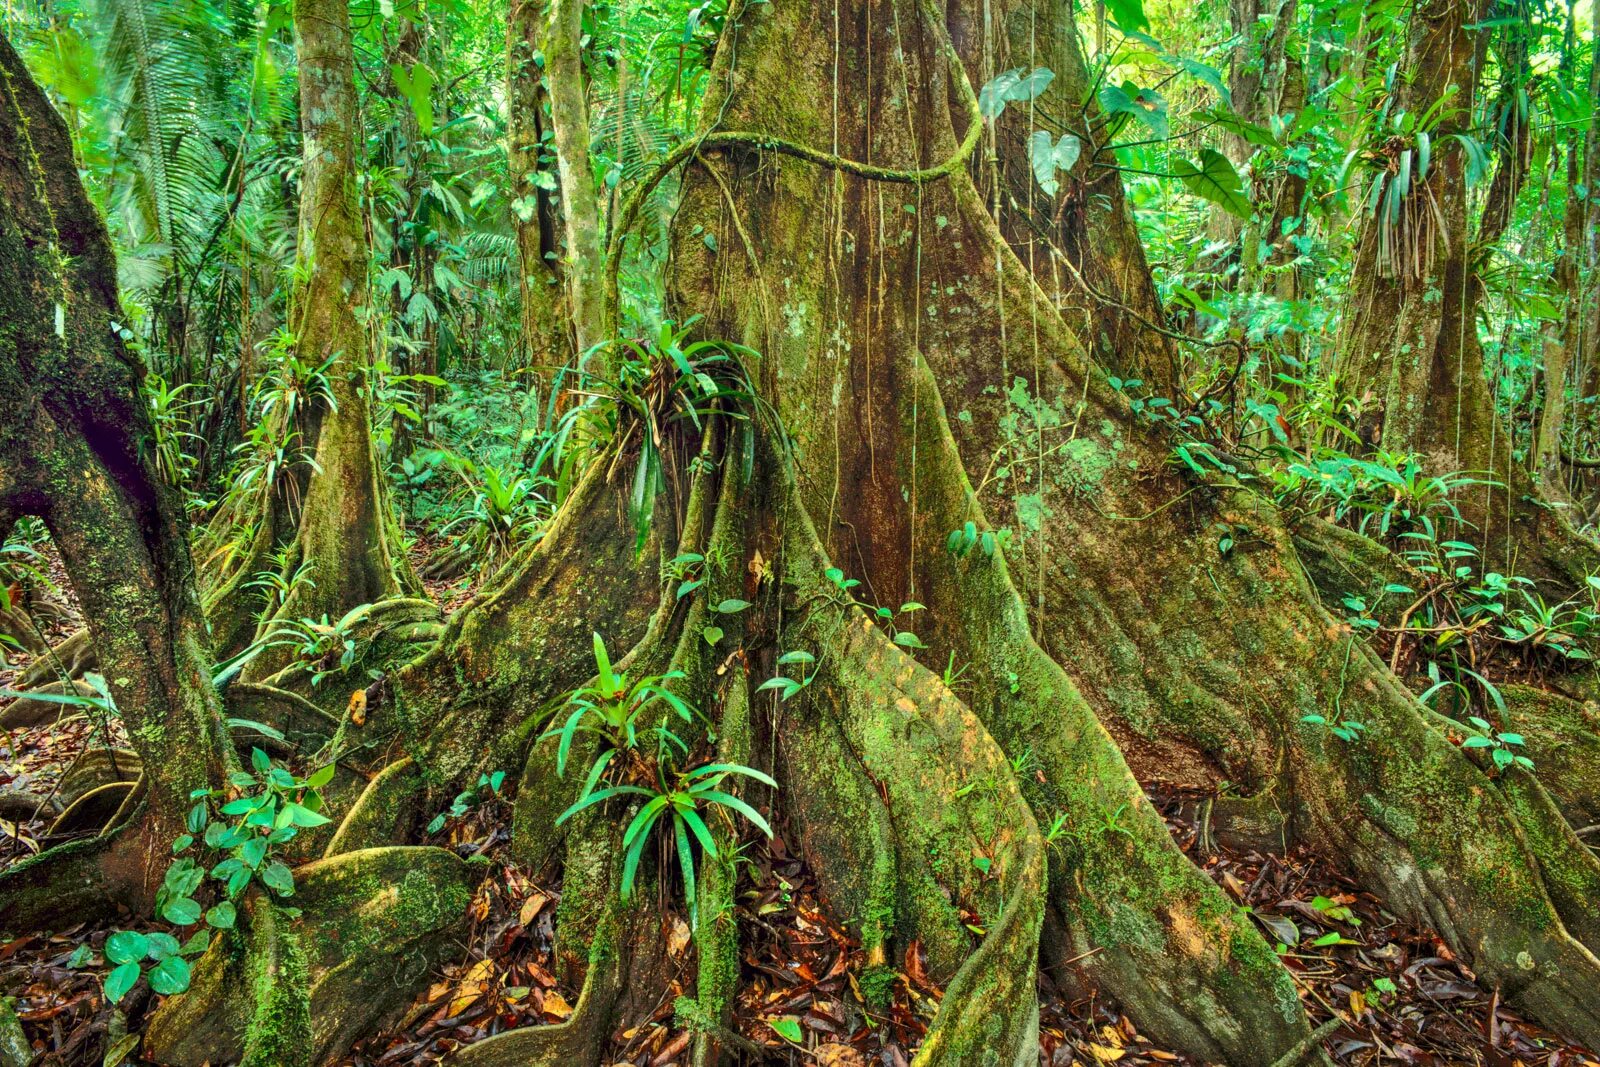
x,y
1409,332
881,310
342,525
545,341
580,205
73,450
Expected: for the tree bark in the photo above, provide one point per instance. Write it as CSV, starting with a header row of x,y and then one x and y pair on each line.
x,y
545,340
72,451
580,205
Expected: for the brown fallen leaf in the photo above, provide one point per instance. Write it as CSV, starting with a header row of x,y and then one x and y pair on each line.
x,y
677,937
532,907
836,1054
556,1006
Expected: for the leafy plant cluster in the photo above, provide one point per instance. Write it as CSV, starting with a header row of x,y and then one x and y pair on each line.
x,y
665,789
236,838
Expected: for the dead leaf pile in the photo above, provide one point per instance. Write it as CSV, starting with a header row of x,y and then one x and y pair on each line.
x,y
505,980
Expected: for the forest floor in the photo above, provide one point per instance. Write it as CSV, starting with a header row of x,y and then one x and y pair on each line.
x,y
1399,993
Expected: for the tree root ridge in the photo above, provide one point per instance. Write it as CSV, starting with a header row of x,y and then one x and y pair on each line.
x,y
374,923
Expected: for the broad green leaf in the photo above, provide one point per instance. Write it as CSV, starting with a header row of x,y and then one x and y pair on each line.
x,y
1215,179
1127,14
253,852
786,1027
1146,105
279,879
416,85
162,946
126,946
300,815
170,976
992,97
1049,157
182,912
119,981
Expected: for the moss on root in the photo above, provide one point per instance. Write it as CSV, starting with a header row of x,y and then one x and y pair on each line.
x,y
373,924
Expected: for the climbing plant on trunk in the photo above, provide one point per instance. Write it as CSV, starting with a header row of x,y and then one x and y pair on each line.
x,y
892,452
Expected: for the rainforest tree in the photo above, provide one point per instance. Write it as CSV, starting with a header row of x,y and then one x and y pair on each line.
x,y
869,439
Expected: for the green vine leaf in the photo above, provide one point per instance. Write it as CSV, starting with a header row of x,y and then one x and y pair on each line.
x,y
1215,179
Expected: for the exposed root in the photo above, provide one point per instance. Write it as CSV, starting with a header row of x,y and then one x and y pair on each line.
x,y
596,932
525,639
26,712
59,887
1140,920
382,813
96,767
716,937
67,660
263,1018
92,811
374,923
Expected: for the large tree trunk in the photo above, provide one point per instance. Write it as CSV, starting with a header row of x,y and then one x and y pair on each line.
x,y
874,321
73,436
914,378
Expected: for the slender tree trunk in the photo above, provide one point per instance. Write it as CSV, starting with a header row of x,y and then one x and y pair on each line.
x,y
580,205
343,531
1575,277
545,338
411,251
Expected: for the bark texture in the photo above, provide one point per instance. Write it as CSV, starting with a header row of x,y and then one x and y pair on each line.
x,y
546,337
73,438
